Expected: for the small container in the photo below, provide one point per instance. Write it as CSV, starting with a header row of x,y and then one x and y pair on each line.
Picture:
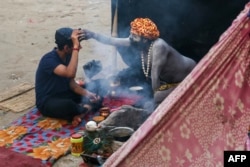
x,y
98,119
91,126
105,111
76,144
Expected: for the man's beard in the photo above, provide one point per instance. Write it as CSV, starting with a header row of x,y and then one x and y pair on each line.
x,y
136,44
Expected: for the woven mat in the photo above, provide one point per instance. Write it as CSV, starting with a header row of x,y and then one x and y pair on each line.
x,y
18,98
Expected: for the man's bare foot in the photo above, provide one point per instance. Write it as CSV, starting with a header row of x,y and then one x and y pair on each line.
x,y
76,120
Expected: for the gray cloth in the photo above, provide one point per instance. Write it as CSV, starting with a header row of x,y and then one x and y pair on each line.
x,y
127,116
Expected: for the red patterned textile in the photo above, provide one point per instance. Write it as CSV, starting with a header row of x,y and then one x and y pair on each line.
x,y
209,112
42,138
114,103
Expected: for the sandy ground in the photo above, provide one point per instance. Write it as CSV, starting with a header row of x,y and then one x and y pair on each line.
x,y
27,32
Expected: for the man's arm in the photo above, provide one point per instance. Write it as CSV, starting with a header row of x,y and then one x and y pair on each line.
x,y
69,71
79,90
105,39
159,60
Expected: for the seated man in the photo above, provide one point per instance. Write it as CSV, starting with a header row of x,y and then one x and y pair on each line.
x,y
57,93
157,63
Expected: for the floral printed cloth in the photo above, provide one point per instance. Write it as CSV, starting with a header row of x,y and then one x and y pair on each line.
x,y
209,111
45,138
40,137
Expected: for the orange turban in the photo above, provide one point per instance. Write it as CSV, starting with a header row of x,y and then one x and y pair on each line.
x,y
144,27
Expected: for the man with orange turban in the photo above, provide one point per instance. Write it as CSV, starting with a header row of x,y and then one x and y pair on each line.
x,y
156,63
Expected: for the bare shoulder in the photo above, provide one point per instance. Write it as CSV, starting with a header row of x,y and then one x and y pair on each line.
x,y
160,43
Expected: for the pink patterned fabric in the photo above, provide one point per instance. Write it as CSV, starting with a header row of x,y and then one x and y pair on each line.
x,y
209,112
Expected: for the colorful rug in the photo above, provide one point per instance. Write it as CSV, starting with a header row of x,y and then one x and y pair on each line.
x,y
44,138
40,137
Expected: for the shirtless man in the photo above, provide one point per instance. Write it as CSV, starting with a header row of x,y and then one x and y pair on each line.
x,y
160,62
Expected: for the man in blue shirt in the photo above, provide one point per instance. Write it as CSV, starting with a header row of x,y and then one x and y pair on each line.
x,y
57,93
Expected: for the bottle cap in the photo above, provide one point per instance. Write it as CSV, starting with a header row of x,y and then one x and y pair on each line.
x,y
76,136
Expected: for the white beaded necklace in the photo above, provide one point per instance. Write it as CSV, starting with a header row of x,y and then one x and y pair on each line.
x,y
146,72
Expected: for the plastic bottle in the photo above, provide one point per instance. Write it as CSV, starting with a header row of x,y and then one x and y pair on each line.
x,y
76,144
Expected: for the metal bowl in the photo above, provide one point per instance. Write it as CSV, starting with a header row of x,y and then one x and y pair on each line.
x,y
121,133
136,89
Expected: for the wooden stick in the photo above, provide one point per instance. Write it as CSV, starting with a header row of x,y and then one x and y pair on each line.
x,y
114,34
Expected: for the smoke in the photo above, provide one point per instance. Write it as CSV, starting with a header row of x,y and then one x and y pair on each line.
x,y
190,26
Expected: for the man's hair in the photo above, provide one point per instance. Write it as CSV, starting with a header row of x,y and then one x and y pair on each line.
x,y
144,27
63,37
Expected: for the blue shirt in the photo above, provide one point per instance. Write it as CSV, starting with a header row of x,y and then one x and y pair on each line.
x,y
47,83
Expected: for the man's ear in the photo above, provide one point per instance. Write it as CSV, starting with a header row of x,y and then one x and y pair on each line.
x,y
66,48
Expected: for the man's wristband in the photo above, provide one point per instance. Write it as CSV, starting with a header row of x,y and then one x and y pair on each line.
x,y
77,49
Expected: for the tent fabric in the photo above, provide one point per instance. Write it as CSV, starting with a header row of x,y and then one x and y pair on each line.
x,y
209,112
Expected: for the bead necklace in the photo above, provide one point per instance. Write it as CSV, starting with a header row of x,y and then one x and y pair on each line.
x,y
146,72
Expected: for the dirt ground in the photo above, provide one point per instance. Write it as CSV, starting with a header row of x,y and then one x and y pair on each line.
x,y
27,33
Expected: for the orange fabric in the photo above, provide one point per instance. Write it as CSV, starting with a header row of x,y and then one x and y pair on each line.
x,y
144,27
8,135
209,111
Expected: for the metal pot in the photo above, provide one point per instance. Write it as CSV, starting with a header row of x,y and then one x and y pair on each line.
x,y
121,134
